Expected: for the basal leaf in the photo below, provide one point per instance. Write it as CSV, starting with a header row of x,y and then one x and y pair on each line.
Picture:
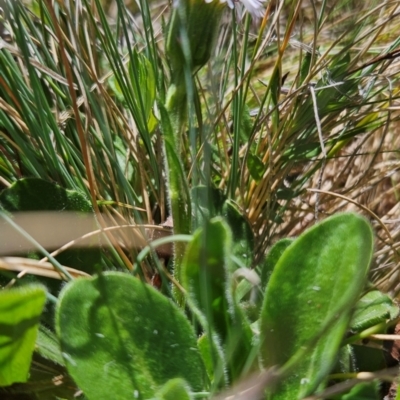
x,y
309,299
121,339
205,273
20,311
206,277
367,358
174,389
242,233
362,391
373,308
272,259
207,202
47,345
213,357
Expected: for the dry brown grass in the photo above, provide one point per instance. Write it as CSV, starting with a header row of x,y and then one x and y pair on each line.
x,y
362,176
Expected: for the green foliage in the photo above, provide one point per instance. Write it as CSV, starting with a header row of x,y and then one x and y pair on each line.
x,y
213,356
48,346
205,273
309,298
207,202
174,389
218,121
365,358
242,234
211,202
272,259
256,167
20,311
144,86
363,391
33,194
207,277
120,336
372,309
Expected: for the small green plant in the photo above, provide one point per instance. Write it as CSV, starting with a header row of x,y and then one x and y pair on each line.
x,y
118,335
173,188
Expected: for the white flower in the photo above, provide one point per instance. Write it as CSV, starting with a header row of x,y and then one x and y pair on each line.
x,y
254,7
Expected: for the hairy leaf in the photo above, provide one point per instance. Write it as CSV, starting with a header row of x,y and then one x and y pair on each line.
x,y
120,338
309,298
373,308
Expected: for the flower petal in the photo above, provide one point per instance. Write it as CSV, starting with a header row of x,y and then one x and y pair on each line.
x,y
254,7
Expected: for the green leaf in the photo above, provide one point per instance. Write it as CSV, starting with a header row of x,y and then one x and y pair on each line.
x,y
34,194
20,311
47,345
346,360
286,193
373,308
246,124
369,359
305,68
213,357
309,298
205,273
116,89
174,389
363,391
204,346
206,277
207,202
340,66
143,85
242,234
121,338
256,167
272,259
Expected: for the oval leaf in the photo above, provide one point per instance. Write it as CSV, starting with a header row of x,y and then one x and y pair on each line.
x,y
122,339
309,298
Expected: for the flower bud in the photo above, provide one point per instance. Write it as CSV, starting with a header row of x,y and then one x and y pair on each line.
x,y
191,32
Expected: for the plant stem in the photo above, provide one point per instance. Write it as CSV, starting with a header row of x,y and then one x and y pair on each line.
x,y
173,119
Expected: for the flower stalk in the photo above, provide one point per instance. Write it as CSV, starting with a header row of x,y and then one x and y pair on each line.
x,y
189,42
190,37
